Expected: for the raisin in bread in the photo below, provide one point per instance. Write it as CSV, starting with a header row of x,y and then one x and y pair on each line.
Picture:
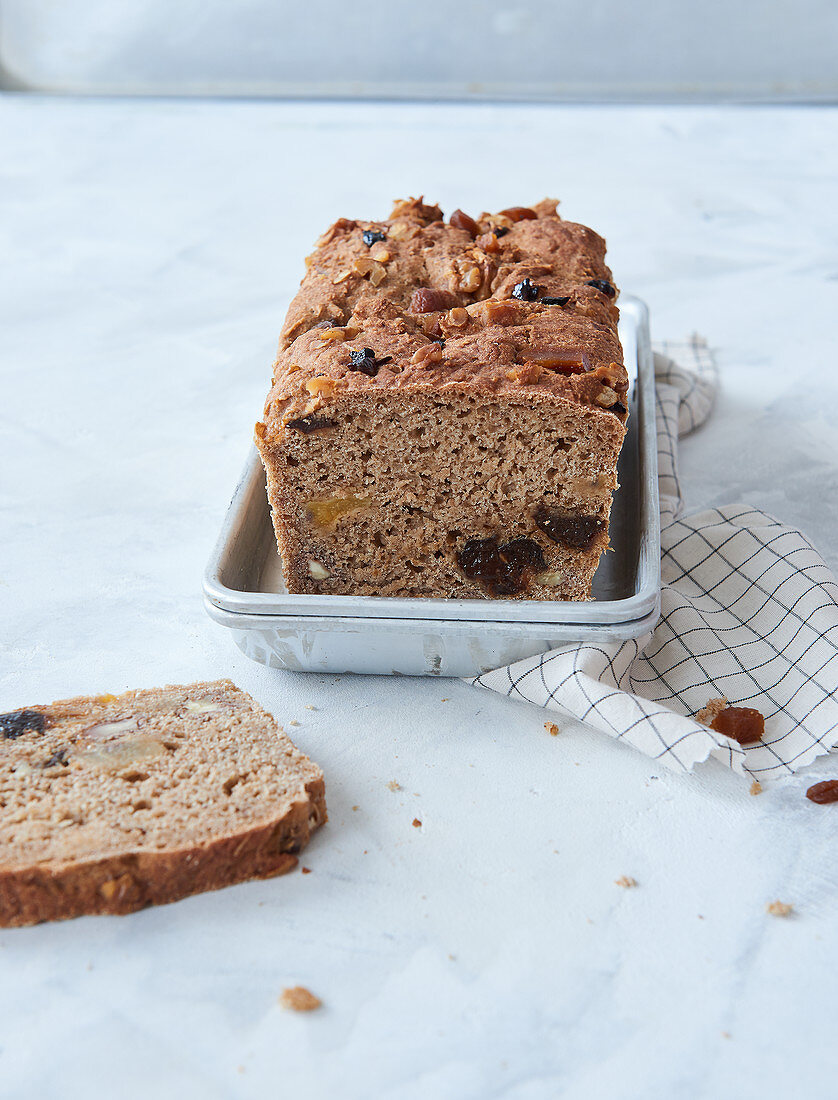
x,y
448,408
112,803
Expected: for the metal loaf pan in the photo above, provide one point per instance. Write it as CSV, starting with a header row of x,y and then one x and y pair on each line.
x,y
243,586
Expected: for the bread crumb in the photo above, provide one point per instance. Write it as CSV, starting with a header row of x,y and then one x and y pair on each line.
x,y
355,809
305,870
552,729
626,881
417,824
310,707
299,999
394,786
779,909
293,722
713,709
756,787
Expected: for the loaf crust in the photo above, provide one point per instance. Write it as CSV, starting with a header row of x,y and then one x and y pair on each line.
x,y
493,343
120,802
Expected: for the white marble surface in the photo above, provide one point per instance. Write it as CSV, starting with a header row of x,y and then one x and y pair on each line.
x,y
149,250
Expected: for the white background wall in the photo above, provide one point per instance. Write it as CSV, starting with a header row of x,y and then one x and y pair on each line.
x,y
554,49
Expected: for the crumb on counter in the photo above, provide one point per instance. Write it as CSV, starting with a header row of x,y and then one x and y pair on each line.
x,y
779,909
552,729
756,787
417,824
394,785
299,999
626,881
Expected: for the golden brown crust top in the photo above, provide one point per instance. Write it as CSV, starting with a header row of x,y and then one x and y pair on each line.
x,y
457,304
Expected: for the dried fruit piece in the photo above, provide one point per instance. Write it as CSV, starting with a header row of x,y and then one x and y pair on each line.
x,y
461,220
618,407
428,353
329,511
526,291
504,570
742,724
371,236
118,755
823,792
562,360
428,300
488,242
603,285
364,360
552,301
500,231
519,213
573,530
311,423
17,722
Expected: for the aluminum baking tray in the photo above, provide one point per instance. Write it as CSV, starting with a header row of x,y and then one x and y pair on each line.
x,y
244,591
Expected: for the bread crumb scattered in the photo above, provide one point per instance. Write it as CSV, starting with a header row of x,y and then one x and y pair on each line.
x,y
305,870
552,729
355,809
310,707
299,999
394,786
713,709
756,787
293,722
417,824
779,909
626,881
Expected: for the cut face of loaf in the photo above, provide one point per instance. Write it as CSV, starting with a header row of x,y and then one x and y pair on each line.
x,y
448,409
112,803
447,494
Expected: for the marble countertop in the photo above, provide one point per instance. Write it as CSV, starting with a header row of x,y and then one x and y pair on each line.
x,y
149,251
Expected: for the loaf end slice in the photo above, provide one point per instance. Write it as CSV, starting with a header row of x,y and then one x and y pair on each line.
x,y
113,803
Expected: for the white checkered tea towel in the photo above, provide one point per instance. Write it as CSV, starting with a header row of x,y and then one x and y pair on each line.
x,y
749,612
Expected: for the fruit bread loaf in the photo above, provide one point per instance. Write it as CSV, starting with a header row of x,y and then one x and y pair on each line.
x,y
448,408
111,803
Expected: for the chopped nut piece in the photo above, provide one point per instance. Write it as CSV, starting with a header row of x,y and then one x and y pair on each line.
x,y
468,276
299,999
320,387
552,729
344,275
626,881
403,231
429,353
607,397
548,579
117,756
457,317
381,254
202,706
756,787
317,571
779,909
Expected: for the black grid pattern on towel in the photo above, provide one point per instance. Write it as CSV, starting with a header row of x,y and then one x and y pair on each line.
x,y
749,612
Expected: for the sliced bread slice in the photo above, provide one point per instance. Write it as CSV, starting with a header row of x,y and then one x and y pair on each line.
x,y
112,803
